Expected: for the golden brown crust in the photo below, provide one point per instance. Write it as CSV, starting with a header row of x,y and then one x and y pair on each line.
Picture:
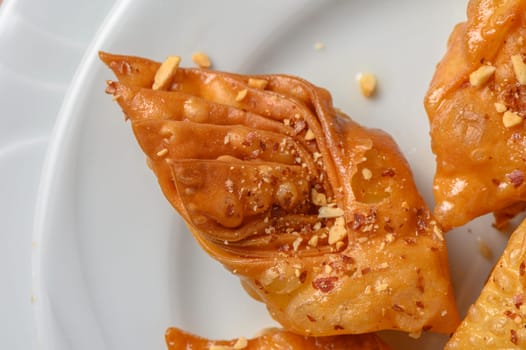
x,y
476,107
497,320
274,339
317,215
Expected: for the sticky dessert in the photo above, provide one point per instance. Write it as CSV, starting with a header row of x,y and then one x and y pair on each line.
x,y
476,105
274,339
318,216
497,320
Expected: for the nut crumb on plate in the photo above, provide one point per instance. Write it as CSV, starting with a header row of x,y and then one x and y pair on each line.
x,y
367,82
201,59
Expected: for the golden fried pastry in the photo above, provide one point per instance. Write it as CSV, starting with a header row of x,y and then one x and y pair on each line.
x,y
317,215
275,339
497,320
476,105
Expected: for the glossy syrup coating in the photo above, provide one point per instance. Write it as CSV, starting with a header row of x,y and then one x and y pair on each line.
x,y
274,339
476,105
497,320
318,216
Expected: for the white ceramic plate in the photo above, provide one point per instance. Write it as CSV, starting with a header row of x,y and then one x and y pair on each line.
x,y
32,86
116,265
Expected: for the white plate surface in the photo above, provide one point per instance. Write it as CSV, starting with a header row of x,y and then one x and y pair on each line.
x,y
115,265
39,51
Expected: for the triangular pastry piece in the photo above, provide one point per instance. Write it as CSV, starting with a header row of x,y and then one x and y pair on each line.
x,y
318,216
497,320
274,339
476,105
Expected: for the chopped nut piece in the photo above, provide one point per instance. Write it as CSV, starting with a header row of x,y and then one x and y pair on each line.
x,y
519,67
500,107
383,265
319,46
438,233
162,152
241,95
481,75
415,335
241,343
313,241
309,135
380,286
367,83
367,174
296,243
484,249
329,212
201,59
337,232
319,199
163,76
511,119
257,83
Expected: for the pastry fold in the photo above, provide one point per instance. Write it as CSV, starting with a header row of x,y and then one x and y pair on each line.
x,y
476,105
318,216
274,339
497,320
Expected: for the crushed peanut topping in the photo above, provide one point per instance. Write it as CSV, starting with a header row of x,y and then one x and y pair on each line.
x,y
313,241
383,265
337,232
519,67
415,335
319,46
481,75
297,273
257,83
380,286
296,243
484,249
438,233
241,95
201,59
500,107
319,199
309,135
328,269
367,174
339,245
162,152
164,75
367,82
241,343
511,119
329,212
